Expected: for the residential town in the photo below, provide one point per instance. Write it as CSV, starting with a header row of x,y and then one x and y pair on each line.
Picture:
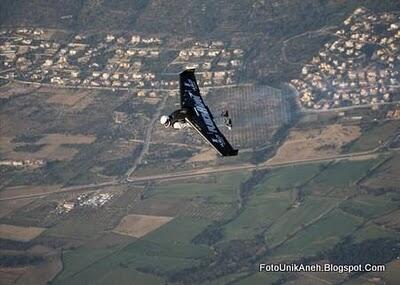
x,y
361,66
116,62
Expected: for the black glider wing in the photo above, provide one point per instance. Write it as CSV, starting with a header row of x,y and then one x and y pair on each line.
x,y
199,115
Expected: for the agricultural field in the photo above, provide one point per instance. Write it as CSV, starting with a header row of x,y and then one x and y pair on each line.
x,y
51,147
391,220
267,207
296,218
288,178
74,133
75,100
316,143
166,231
10,206
373,135
140,225
19,233
342,174
43,265
368,206
10,90
386,176
321,235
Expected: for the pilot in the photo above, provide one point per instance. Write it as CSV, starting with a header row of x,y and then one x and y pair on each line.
x,y
176,120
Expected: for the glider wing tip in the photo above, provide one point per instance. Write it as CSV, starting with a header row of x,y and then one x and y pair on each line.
x,y
232,153
188,70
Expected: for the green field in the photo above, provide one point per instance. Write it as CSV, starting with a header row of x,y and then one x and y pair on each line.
x,y
287,178
262,278
227,279
76,260
297,217
318,237
163,251
293,226
343,173
261,211
368,206
373,232
386,175
223,188
374,135
106,271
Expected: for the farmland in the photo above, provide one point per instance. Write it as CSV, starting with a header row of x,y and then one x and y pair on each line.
x,y
171,231
272,208
140,225
19,233
323,142
373,135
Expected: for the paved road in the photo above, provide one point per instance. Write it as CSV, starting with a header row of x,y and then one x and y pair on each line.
x,y
246,166
88,187
210,170
147,139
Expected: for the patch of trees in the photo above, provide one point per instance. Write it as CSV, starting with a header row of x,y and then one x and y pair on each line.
x,y
210,235
259,156
19,260
379,190
247,186
230,257
377,251
118,167
347,147
26,138
6,244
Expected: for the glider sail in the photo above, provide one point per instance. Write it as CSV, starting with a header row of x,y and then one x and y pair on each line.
x,y
199,115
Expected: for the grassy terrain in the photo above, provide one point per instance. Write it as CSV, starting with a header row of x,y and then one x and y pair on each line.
x,y
294,226
75,260
260,279
288,177
373,232
373,135
223,188
297,217
165,250
368,206
161,252
261,211
386,175
344,173
318,237
104,272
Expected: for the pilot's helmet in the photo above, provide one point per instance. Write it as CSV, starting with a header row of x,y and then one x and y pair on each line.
x,y
165,120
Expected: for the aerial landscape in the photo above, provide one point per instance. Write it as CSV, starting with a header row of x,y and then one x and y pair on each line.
x,y
94,190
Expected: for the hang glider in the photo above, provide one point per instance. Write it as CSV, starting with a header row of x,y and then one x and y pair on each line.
x,y
196,113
